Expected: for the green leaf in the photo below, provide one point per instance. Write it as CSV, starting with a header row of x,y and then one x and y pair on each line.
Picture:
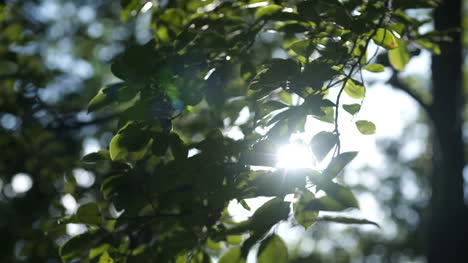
x,y
117,152
78,246
267,11
352,108
322,143
399,57
305,217
354,90
302,47
96,251
273,249
234,239
385,38
101,155
338,198
276,73
347,220
178,148
213,245
89,214
270,106
285,97
431,46
366,127
375,67
269,214
105,258
130,138
232,256
329,116
106,95
338,163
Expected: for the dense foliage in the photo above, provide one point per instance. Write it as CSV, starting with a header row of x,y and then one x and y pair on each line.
x,y
170,170
200,63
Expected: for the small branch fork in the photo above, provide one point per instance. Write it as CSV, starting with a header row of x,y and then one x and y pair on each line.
x,y
349,76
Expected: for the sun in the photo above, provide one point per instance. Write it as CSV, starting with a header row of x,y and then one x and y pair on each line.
x,y
295,155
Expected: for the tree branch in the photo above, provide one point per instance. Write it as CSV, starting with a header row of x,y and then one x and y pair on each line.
x,y
398,84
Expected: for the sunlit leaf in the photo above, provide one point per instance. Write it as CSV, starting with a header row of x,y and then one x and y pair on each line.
x,y
354,90
305,217
366,127
267,11
232,256
285,97
375,67
385,38
400,56
273,249
106,258
234,240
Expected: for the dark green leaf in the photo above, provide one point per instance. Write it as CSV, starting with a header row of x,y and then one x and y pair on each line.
x,y
178,148
338,163
352,108
101,155
338,198
89,214
105,96
78,246
322,143
269,214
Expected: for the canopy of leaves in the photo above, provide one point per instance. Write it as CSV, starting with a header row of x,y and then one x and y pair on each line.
x,y
169,171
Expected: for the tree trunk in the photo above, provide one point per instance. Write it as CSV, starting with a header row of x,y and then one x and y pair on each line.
x,y
447,231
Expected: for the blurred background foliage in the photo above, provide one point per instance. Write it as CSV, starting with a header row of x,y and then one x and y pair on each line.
x,y
55,54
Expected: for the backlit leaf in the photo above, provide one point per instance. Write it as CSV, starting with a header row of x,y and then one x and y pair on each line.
x,y
305,217
385,39
366,127
354,90
322,143
267,11
375,67
400,56
273,249
232,256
